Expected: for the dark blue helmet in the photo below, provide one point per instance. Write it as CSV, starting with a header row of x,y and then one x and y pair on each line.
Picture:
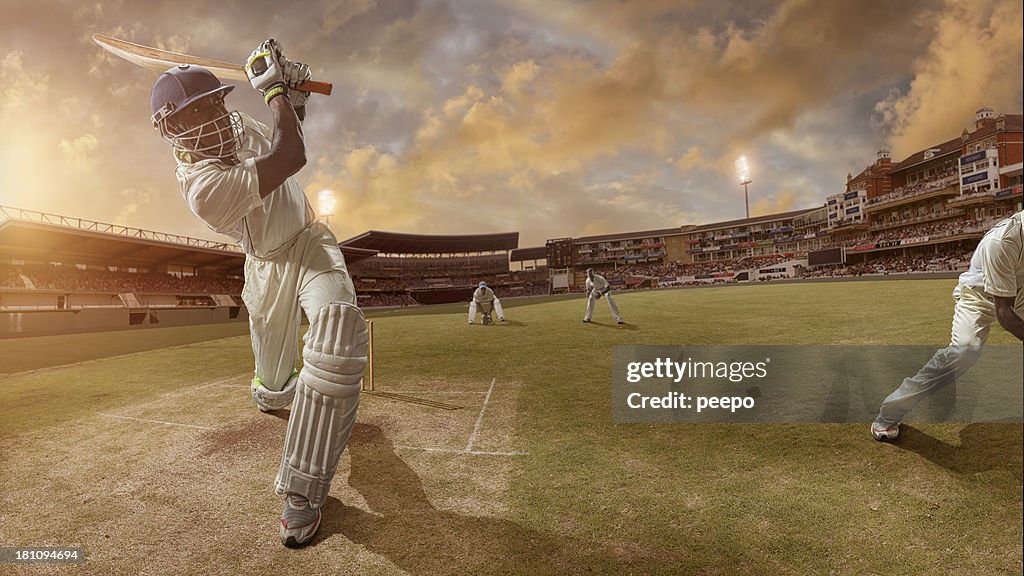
x,y
179,87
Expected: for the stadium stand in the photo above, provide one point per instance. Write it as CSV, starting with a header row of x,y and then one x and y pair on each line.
x,y
411,269
60,274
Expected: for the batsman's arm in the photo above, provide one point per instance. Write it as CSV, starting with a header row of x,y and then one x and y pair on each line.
x,y
288,150
1008,318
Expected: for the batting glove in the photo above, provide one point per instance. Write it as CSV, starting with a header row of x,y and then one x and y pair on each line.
x,y
296,73
263,68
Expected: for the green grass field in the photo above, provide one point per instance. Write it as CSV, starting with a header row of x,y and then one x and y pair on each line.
x,y
145,449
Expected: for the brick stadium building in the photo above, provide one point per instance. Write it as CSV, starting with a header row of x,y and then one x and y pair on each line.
x,y
935,203
924,213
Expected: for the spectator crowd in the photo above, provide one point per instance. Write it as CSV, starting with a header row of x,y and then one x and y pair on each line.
x,y
938,182
74,279
946,262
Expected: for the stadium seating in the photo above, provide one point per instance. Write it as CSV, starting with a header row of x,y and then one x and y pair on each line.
x,y
73,279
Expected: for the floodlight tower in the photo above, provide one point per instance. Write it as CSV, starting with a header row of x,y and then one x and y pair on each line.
x,y
743,171
326,206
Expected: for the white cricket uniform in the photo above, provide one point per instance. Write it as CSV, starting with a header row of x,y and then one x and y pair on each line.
x,y
292,261
482,295
596,286
996,269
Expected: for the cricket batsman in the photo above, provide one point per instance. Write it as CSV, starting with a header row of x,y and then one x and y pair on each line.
x,y
484,297
236,175
991,290
597,286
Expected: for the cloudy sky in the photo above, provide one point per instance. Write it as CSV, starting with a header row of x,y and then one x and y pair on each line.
x,y
551,117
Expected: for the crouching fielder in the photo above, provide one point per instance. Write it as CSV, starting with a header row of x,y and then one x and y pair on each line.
x,y
992,289
597,286
236,175
484,297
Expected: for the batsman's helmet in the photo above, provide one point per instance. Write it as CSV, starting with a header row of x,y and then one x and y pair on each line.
x,y
180,86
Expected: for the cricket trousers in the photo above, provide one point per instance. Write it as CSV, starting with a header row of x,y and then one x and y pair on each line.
x,y
611,306
303,277
497,308
973,316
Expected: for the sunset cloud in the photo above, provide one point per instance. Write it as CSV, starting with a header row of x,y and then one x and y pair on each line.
x,y
552,118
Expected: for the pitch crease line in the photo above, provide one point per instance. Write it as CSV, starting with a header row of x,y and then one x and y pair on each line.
x,y
480,418
185,392
470,452
434,391
155,421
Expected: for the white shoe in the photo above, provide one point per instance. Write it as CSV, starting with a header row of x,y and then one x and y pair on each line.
x,y
269,400
299,522
885,432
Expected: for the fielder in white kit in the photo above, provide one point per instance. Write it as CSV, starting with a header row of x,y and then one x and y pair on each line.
x,y
597,286
991,290
236,175
482,296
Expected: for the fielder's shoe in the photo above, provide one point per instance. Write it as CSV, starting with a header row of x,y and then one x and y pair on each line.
x,y
586,320
501,319
299,522
470,321
885,432
619,322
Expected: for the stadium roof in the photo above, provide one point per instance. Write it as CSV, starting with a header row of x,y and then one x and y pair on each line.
x,y
1011,123
398,243
944,149
523,254
754,220
629,235
876,170
356,254
25,234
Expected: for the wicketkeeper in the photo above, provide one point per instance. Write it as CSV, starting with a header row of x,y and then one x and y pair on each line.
x,y
992,290
484,297
597,287
237,176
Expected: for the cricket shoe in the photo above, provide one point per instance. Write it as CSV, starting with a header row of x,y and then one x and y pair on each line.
x,y
586,320
620,322
270,400
885,432
299,522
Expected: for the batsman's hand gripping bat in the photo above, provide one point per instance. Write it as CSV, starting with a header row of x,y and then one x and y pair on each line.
x,y
161,60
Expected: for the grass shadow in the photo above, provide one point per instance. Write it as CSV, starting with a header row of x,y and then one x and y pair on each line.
x,y
625,326
508,322
983,447
406,528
